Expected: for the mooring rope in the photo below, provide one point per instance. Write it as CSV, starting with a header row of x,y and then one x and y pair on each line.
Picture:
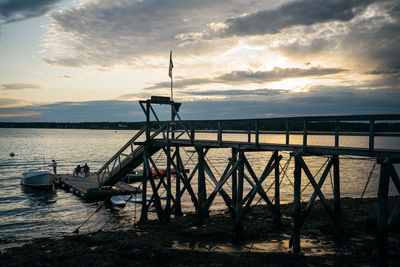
x,y
283,169
190,158
315,175
330,175
365,187
77,229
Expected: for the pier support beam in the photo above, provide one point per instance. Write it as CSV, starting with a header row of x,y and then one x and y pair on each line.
x,y
336,185
297,208
145,208
178,206
202,210
167,212
336,196
382,215
234,183
277,215
238,228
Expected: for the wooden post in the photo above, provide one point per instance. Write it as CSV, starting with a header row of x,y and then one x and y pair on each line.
x,y
296,202
192,129
167,213
173,113
257,133
287,131
305,129
249,132
336,186
238,205
234,182
371,136
277,216
202,211
147,121
219,132
382,216
143,215
337,129
178,206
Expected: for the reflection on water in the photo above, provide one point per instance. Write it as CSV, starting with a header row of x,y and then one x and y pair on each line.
x,y
37,197
276,243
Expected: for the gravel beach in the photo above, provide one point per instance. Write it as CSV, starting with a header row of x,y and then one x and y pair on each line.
x,y
182,242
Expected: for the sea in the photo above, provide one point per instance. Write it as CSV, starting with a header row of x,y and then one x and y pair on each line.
x,y
26,214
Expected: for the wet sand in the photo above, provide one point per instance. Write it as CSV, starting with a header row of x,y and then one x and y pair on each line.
x,y
182,242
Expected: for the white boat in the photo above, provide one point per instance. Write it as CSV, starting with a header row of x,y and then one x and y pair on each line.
x,y
121,200
41,179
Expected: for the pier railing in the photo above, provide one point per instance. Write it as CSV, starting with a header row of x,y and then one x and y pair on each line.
x,y
260,131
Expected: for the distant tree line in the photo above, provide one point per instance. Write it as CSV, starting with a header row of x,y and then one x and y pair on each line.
x,y
75,125
263,125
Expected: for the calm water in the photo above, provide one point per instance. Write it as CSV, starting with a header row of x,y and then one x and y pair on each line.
x,y
26,213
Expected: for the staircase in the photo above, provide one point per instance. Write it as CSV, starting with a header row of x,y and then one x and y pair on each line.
x,y
125,160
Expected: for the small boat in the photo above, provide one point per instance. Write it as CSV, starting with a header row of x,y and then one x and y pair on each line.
x,y
41,179
121,200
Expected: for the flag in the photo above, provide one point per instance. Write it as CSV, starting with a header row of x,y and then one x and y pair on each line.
x,y
171,65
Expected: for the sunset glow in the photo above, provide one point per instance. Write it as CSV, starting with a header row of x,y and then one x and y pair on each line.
x,y
263,54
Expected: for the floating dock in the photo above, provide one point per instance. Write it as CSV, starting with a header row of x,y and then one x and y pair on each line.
x,y
87,187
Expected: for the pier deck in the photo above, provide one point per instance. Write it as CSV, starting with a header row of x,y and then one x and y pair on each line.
x,y
87,187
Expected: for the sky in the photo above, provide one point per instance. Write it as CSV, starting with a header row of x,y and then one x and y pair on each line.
x,y
93,60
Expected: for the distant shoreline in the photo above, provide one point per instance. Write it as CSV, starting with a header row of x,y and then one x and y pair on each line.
x,y
75,125
208,125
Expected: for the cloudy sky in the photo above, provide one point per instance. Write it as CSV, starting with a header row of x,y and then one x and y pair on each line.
x,y
92,60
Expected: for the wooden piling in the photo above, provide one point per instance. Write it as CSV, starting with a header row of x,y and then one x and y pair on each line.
x,y
178,205
169,185
234,183
382,215
239,196
296,203
143,214
202,211
277,215
336,186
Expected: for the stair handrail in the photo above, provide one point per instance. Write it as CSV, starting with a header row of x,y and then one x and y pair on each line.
x,y
117,155
136,136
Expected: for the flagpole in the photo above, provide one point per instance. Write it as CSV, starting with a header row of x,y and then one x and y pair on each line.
x,y
171,66
172,93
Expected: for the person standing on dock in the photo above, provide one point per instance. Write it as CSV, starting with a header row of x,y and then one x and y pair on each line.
x,y
54,164
86,170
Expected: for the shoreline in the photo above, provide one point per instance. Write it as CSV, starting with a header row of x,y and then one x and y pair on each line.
x,y
182,242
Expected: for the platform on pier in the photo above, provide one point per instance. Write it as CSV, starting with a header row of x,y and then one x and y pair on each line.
x,y
87,187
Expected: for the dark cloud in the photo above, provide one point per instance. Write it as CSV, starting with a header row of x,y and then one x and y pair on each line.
x,y
20,86
383,72
75,112
5,102
106,33
305,12
325,101
65,77
374,40
276,74
258,92
319,101
17,10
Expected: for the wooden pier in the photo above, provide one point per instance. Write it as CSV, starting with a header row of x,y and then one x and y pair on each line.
x,y
88,189
171,137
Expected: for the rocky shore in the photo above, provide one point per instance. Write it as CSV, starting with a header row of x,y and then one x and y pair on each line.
x,y
182,242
